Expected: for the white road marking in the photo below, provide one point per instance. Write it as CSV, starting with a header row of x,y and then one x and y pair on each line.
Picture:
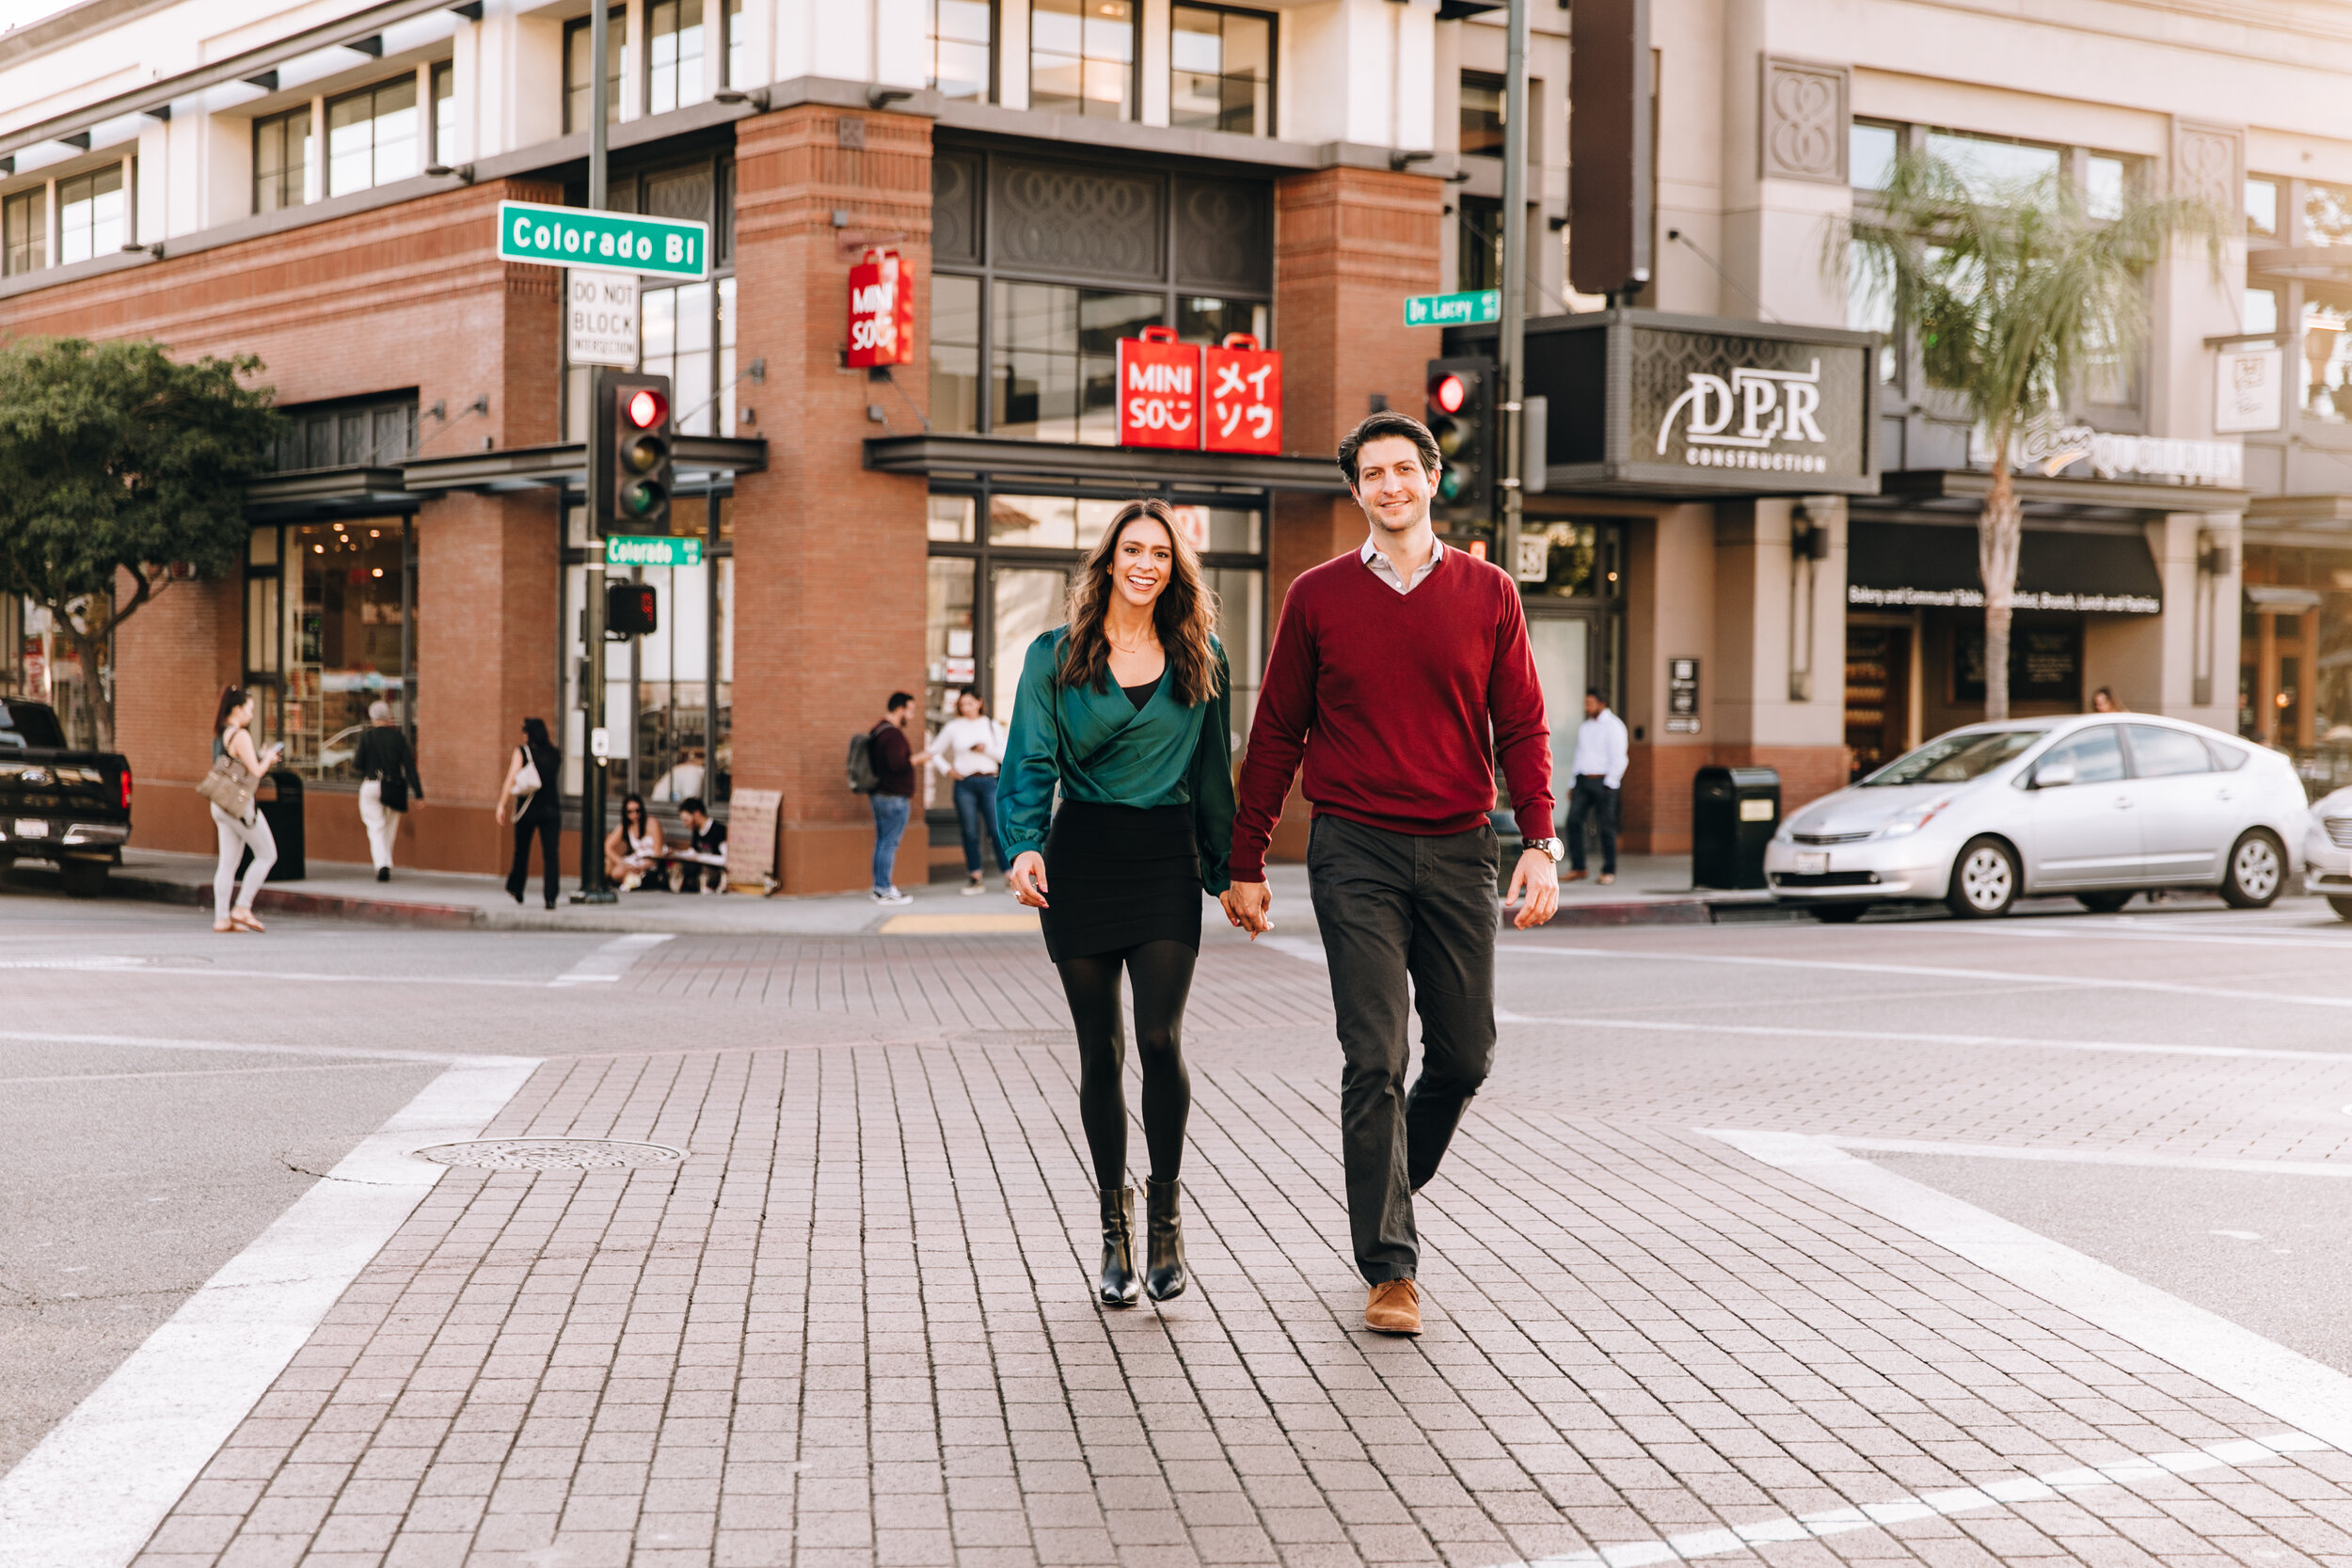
x,y
141,967
2273,1379
2036,1042
2084,982
260,1047
97,1486
2119,929
2100,1157
202,1073
610,961
2070,1482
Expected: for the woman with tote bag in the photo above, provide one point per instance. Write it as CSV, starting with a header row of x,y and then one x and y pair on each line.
x,y
237,768
531,800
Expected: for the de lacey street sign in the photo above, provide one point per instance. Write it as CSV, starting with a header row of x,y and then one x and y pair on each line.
x,y
1471,308
617,241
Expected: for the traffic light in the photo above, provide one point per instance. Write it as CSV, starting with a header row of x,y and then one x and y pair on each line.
x,y
630,610
1461,415
635,453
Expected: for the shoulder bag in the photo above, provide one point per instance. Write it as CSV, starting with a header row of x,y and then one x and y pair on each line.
x,y
228,785
527,782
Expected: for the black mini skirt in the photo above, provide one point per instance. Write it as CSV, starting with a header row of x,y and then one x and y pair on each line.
x,y
1117,876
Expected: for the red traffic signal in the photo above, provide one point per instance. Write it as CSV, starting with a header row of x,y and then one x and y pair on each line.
x,y
645,408
1447,393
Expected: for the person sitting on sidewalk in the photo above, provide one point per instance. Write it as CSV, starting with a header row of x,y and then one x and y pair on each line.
x,y
702,860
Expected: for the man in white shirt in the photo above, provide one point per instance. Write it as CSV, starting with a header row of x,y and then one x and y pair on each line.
x,y
1599,770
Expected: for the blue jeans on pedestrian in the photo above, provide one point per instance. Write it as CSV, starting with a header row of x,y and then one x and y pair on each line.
x,y
975,814
890,820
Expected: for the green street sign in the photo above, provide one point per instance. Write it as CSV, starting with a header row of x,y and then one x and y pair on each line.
x,y
614,242
1471,308
638,549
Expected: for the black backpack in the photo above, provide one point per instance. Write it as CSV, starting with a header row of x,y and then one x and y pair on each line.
x,y
860,767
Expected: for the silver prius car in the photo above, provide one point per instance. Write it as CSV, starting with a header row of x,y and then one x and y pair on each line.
x,y
2098,805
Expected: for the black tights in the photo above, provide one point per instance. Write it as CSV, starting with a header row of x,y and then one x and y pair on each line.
x,y
1162,972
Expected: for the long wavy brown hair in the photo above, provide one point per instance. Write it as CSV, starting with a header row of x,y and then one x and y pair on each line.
x,y
1182,616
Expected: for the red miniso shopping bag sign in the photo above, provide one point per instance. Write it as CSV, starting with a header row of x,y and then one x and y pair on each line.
x,y
881,312
1159,391
1245,396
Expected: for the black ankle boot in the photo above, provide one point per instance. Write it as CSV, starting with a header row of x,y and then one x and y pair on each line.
x,y
1120,1287
1163,1274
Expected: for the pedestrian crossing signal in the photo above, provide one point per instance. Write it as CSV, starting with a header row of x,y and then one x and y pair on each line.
x,y
630,610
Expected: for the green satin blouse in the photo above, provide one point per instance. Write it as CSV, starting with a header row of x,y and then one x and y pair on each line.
x,y
1098,746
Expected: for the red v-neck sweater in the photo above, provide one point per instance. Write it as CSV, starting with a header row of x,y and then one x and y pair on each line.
x,y
1390,697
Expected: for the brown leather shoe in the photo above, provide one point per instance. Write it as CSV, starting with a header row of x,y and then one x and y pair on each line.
x,y
1572,876
1394,1308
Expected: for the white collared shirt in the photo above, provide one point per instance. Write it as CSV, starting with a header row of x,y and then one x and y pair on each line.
x,y
1600,749
1385,569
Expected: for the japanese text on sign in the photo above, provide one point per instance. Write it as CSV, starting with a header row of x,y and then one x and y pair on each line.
x,y
1245,397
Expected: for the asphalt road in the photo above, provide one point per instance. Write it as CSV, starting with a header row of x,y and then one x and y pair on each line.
x,y
2169,1090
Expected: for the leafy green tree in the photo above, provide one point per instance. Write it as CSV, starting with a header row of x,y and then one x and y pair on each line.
x,y
118,461
2014,290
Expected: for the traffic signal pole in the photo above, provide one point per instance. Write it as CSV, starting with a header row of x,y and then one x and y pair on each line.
x,y
1511,335
593,887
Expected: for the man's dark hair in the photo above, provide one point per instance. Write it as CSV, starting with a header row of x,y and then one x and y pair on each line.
x,y
1596,694
694,804
898,700
1375,427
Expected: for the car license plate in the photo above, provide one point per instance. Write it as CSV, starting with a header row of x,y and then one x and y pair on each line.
x,y
31,827
1813,865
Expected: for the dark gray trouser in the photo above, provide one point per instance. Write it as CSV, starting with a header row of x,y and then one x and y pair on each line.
x,y
1390,905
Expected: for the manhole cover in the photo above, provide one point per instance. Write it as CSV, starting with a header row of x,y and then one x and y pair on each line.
x,y
551,1154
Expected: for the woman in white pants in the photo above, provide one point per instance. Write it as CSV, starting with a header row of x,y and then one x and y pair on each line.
x,y
233,735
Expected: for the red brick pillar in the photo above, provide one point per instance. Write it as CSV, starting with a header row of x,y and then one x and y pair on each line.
x,y
829,558
1349,245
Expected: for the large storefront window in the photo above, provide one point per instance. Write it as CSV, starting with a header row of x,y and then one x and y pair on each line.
x,y
1076,259
671,694
330,619
1023,549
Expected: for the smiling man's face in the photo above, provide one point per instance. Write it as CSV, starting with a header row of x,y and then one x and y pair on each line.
x,y
1392,485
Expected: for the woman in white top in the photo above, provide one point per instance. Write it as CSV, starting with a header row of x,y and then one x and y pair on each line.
x,y
970,747
232,737
632,851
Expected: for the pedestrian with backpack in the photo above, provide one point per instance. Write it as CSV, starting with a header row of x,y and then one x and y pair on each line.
x,y
882,768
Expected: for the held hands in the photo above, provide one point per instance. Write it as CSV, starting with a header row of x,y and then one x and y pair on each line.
x,y
1028,879
1248,906
1539,880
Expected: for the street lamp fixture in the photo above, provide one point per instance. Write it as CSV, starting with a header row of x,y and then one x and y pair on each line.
x,y
756,98
881,98
443,171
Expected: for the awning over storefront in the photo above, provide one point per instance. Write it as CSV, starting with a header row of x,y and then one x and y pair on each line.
x,y
1896,565
964,457
358,490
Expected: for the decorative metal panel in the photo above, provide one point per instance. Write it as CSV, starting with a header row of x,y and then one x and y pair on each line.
x,y
1081,222
680,192
956,207
1225,235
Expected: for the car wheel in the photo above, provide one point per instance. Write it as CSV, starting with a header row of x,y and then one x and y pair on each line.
x,y
2103,903
2342,906
1984,879
1838,914
2256,874
83,879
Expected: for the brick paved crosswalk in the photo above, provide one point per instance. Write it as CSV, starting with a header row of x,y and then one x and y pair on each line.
x,y
854,1327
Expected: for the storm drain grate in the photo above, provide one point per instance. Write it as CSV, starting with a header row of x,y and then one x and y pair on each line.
x,y
551,1154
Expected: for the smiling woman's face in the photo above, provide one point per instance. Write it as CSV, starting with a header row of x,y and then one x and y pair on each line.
x,y
1143,563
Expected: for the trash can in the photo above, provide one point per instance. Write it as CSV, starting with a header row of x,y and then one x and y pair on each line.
x,y
284,816
1732,814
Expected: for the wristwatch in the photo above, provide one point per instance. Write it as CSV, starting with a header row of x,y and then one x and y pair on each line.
x,y
1551,848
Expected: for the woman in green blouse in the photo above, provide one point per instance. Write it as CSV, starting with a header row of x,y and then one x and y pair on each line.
x,y
1125,710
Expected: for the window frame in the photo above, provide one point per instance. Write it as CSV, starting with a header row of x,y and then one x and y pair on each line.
x,y
991,90
616,49
1485,79
38,197
438,73
300,171
120,170
701,59
421,138
1273,62
1133,108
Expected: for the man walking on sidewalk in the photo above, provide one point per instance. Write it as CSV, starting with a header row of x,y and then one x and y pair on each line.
x,y
893,792
1599,771
1392,667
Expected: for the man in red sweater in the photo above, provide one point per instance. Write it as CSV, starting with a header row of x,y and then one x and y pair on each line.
x,y
1399,671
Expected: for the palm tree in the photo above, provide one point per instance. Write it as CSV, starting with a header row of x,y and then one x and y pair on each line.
x,y
2014,290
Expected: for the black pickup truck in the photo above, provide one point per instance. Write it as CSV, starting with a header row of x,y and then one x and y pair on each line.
x,y
69,807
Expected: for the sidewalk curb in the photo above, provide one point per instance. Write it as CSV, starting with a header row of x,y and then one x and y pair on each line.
x,y
278,900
